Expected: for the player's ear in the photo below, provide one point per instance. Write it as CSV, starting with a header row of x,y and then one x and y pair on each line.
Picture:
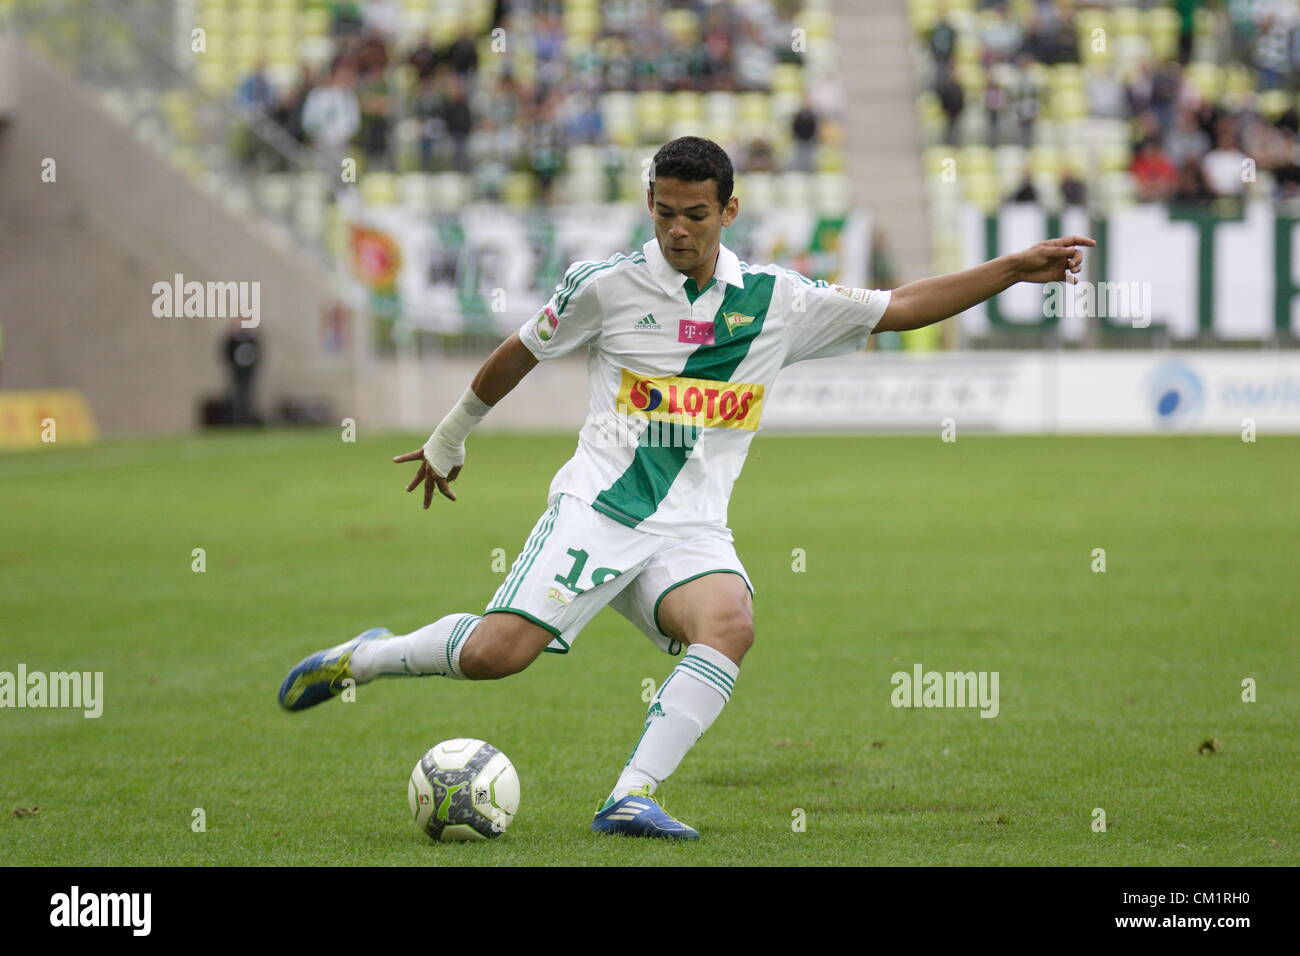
x,y
650,199
730,211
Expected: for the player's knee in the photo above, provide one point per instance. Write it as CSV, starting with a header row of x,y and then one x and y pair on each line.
x,y
731,633
502,645
499,665
741,632
491,658
487,660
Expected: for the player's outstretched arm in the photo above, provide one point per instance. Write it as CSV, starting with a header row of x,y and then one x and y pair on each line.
x,y
927,301
443,455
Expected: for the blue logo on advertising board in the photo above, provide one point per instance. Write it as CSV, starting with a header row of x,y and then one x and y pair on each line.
x,y
1176,394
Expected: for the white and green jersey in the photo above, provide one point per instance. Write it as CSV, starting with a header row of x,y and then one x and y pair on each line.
x,y
679,375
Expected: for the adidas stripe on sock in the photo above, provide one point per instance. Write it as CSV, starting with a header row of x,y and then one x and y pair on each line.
x,y
685,707
433,649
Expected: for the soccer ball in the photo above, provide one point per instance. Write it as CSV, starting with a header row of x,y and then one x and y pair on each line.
x,y
463,789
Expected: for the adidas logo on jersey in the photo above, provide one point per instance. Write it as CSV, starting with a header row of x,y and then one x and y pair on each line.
x,y
647,323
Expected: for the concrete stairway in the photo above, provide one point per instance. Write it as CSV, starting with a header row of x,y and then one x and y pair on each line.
x,y
79,257
882,136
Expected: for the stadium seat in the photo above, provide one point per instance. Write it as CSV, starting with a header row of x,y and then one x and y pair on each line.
x,y
651,114
682,25
315,52
178,108
759,192
1095,34
415,191
1207,78
832,193
451,191
314,22
688,128
312,186
936,159
617,110
1273,103
924,14
686,106
1012,161
274,193
787,78
520,189
379,189
213,77
1116,189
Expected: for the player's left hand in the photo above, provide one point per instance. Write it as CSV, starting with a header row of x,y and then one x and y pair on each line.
x,y
431,479
1056,260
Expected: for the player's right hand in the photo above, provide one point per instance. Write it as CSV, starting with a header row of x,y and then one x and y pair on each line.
x,y
429,477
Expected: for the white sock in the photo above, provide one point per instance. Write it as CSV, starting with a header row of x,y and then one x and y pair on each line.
x,y
433,649
685,707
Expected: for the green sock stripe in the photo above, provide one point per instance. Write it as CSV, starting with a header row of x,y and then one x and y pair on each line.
x,y
446,648
663,687
706,677
722,674
637,745
518,569
544,533
463,627
709,680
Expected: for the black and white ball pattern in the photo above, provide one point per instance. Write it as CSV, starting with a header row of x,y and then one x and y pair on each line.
x,y
463,789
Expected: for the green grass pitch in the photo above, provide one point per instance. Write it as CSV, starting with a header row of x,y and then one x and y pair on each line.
x,y
968,556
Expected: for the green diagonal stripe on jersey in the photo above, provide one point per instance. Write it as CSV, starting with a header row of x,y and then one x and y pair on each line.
x,y
638,492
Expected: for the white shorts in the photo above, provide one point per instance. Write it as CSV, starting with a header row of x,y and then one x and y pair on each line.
x,y
577,560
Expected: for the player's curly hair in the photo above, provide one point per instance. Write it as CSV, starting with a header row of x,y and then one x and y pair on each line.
x,y
694,159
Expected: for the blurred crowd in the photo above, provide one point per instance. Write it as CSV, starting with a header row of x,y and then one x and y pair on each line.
x,y
1185,146
488,120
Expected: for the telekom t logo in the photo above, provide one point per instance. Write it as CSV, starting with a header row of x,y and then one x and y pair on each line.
x,y
694,332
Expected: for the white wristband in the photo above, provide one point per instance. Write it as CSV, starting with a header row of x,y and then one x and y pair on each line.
x,y
445,448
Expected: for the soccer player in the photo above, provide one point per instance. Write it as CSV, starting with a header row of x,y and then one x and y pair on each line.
x,y
684,341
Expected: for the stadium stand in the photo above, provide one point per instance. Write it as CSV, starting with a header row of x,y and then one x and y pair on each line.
x,y
440,103
1108,103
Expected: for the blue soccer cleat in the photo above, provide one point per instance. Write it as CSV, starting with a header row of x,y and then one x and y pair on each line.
x,y
638,814
320,677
